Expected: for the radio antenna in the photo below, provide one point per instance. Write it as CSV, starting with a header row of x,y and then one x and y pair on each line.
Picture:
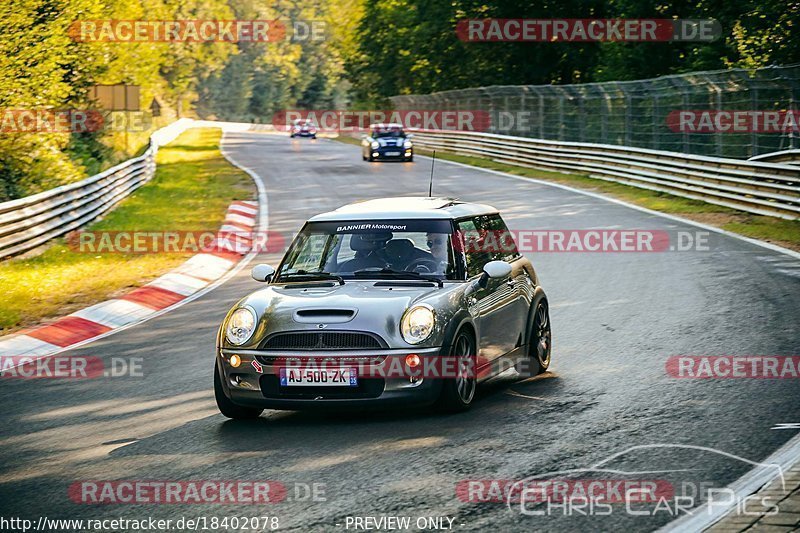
x,y
430,186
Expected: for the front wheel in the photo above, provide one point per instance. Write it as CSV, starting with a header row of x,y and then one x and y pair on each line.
x,y
540,345
227,407
458,392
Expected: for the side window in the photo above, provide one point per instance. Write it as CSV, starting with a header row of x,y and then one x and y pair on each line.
x,y
471,238
498,239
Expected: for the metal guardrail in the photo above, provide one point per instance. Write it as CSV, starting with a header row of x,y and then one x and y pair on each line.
x,y
755,187
26,223
791,157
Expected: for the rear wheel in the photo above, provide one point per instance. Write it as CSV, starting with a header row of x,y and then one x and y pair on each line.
x,y
457,393
539,342
227,407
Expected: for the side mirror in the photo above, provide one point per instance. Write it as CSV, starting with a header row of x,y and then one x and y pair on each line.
x,y
494,270
262,272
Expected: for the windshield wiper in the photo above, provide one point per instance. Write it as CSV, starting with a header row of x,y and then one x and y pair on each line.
x,y
397,273
312,275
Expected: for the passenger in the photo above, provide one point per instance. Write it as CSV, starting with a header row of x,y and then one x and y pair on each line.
x,y
437,244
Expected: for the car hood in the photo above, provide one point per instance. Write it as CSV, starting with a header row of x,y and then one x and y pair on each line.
x,y
354,306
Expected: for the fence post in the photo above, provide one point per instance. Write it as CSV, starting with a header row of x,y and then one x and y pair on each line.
x,y
628,119
656,122
718,108
753,132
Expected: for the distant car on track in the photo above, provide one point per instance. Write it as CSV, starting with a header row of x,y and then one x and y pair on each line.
x,y
372,284
303,128
387,142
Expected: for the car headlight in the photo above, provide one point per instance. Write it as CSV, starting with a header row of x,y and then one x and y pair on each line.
x,y
407,144
375,145
417,324
240,326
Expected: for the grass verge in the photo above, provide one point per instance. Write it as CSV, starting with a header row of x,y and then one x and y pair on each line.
x,y
192,189
785,233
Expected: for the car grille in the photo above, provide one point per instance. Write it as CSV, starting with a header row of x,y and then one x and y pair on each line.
x,y
323,340
335,360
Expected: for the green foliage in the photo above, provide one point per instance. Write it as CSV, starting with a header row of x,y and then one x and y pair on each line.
x,y
264,78
43,67
410,46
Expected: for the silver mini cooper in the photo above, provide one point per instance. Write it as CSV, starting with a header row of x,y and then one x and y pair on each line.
x,y
390,302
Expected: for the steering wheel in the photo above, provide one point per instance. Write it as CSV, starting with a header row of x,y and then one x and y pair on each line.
x,y
428,266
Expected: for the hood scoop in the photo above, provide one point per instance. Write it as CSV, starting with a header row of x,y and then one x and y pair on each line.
x,y
393,284
327,316
310,285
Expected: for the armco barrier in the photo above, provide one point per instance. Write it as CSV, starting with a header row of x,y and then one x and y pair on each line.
x,y
756,187
791,157
29,222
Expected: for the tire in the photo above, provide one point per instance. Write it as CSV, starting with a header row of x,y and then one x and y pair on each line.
x,y
227,407
457,394
540,342
411,159
291,136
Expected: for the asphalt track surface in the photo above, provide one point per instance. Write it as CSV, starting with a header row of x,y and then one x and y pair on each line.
x,y
616,318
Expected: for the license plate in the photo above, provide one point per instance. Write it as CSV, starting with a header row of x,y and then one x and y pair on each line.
x,y
392,153
318,377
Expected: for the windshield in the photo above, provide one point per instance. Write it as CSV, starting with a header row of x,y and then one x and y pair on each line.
x,y
372,249
379,133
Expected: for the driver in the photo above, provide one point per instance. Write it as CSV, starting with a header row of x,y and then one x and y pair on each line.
x,y
437,244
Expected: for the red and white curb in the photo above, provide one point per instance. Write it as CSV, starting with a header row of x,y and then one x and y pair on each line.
x,y
166,291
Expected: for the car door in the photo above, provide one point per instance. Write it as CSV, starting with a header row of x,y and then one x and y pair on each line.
x,y
500,243
493,306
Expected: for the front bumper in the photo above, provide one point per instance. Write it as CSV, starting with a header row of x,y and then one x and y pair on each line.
x,y
247,386
303,134
399,153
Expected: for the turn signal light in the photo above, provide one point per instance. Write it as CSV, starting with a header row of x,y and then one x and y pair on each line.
x,y
412,360
236,361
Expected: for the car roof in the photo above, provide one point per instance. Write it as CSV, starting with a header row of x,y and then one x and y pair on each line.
x,y
405,207
391,125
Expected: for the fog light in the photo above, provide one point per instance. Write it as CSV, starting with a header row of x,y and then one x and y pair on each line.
x,y
375,154
235,361
412,360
